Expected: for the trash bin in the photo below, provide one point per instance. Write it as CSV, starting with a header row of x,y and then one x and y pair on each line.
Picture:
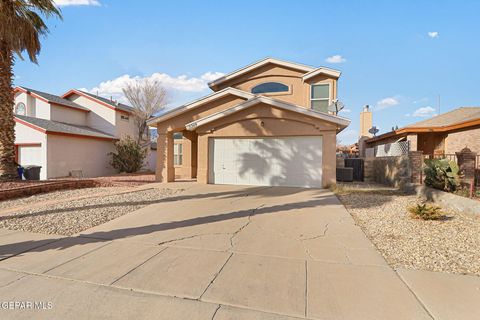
x,y
20,172
31,172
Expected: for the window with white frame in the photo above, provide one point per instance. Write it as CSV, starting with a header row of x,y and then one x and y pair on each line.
x,y
177,154
320,97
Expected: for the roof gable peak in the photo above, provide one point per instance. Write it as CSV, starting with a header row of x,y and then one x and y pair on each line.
x,y
268,60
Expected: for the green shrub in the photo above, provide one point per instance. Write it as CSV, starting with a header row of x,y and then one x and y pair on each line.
x,y
441,174
129,155
426,211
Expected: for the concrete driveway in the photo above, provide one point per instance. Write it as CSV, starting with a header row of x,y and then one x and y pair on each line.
x,y
211,252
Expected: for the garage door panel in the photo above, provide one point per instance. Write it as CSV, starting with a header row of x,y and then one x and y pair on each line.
x,y
288,161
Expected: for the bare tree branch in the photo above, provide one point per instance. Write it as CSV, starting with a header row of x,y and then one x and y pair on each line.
x,y
147,98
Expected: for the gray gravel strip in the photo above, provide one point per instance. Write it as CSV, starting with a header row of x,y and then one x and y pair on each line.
x,y
71,217
451,245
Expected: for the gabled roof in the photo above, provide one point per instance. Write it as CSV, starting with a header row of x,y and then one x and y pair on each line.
x,y
459,118
258,64
199,102
104,101
50,126
51,98
322,70
342,122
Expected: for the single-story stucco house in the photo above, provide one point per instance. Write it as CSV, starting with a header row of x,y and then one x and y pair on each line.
x,y
71,134
265,124
444,134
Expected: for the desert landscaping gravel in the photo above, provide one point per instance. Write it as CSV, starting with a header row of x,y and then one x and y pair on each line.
x,y
70,217
450,245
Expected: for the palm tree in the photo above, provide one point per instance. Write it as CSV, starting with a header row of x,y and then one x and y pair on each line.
x,y
21,25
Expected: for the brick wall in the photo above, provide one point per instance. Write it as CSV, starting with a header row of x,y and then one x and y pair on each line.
x,y
456,141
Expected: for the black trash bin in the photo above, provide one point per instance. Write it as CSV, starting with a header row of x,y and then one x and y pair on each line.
x,y
32,172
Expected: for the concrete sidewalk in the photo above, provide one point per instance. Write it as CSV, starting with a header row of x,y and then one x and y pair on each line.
x,y
225,252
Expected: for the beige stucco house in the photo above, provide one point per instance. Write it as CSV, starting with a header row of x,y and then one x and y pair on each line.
x,y
70,134
265,124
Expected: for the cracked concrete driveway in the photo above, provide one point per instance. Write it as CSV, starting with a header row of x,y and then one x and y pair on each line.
x,y
211,252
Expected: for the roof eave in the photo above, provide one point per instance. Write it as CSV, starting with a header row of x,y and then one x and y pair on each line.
x,y
341,122
196,103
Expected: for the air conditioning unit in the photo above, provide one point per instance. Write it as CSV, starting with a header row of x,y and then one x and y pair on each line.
x,y
345,174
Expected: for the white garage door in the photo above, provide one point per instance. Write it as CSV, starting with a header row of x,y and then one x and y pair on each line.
x,y
287,161
30,155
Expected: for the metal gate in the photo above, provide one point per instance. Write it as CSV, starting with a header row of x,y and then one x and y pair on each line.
x,y
357,165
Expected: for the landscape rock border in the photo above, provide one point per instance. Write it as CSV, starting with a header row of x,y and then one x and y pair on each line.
x,y
449,200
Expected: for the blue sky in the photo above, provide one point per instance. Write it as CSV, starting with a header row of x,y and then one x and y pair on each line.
x,y
396,56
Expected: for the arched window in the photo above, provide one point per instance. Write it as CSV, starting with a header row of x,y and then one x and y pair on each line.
x,y
270,87
21,109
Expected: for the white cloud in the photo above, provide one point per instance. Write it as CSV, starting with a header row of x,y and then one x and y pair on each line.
x,y
183,84
346,110
65,3
336,59
348,136
387,103
433,34
424,112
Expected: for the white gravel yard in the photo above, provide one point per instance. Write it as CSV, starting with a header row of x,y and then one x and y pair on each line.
x,y
451,245
70,217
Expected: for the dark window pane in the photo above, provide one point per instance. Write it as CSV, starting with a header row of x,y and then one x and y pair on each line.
x,y
270,87
177,135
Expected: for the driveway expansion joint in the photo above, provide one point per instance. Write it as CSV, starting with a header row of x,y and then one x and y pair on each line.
x,y
138,266
413,293
215,276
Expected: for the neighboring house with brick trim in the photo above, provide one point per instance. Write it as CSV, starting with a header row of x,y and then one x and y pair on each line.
x,y
70,134
265,124
446,133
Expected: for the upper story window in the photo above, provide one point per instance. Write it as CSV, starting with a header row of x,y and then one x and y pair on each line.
x,y
320,97
124,117
269,87
21,109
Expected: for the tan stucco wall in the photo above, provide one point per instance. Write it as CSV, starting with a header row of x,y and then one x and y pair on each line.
x,y
100,117
125,127
65,153
276,122
299,92
458,140
68,115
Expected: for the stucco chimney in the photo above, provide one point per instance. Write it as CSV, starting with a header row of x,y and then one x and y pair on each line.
x,y
366,122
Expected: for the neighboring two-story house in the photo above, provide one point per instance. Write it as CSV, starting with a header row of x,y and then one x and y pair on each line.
x,y
265,124
68,135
